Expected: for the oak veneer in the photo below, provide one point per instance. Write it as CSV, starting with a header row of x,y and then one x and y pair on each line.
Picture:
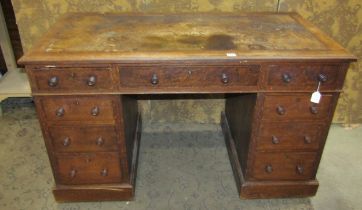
x,y
83,138
87,71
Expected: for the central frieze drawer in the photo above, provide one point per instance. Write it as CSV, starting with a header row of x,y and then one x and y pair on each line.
x,y
78,108
172,77
284,166
83,138
92,168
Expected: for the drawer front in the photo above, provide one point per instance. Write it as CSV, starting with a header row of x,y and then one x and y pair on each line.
x,y
284,166
83,138
71,79
172,77
296,107
304,77
78,108
289,136
93,168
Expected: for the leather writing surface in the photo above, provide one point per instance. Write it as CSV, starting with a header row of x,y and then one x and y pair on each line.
x,y
92,36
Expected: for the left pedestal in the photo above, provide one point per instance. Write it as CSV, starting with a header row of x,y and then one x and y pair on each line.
x,y
92,143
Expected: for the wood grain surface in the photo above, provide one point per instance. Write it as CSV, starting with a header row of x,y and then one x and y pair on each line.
x,y
89,70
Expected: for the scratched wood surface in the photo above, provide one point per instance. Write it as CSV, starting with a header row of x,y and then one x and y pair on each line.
x,y
104,37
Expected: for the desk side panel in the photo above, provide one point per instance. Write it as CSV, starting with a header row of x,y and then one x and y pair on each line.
x,y
239,111
130,113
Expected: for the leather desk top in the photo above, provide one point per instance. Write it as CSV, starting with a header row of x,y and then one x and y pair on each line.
x,y
108,38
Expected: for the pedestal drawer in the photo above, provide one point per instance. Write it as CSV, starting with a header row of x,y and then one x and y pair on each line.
x,y
83,138
284,166
78,108
296,107
289,136
88,168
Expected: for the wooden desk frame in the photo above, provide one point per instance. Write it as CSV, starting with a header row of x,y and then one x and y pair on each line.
x,y
275,136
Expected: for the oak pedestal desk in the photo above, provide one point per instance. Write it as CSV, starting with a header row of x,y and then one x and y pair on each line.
x,y
88,70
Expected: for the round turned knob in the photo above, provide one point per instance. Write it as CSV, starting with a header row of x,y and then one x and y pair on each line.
x,y
275,140
313,110
280,110
95,111
91,80
60,112
99,141
53,81
307,139
224,78
66,141
104,172
300,169
72,173
154,79
286,77
269,169
322,78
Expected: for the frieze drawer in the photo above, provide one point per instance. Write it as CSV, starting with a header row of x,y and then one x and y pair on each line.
x,y
70,79
192,78
305,77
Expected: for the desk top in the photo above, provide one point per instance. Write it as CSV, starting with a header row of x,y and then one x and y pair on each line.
x,y
95,37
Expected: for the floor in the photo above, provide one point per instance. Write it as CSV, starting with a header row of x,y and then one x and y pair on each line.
x,y
181,166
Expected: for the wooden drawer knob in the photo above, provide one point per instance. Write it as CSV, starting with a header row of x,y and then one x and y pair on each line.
x,y
99,141
91,80
224,78
53,81
300,169
154,79
66,141
269,169
60,112
95,111
286,78
307,139
322,78
72,173
280,110
275,140
313,110
104,172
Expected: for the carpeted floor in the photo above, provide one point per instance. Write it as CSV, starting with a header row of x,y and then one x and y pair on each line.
x,y
181,166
